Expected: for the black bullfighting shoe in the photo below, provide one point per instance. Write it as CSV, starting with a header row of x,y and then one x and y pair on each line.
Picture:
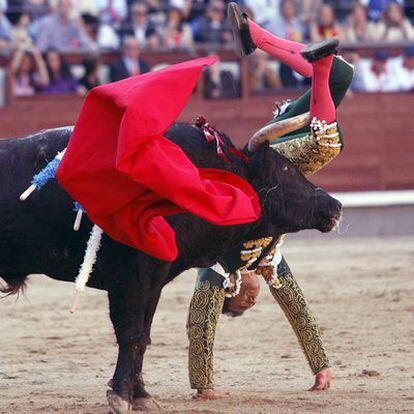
x,y
315,51
241,32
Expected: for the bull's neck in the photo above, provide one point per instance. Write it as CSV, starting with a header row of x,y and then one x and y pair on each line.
x,y
264,227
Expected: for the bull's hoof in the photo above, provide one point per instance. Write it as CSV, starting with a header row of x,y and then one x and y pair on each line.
x,y
145,404
118,404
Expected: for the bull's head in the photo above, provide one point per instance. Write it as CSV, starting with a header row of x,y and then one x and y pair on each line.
x,y
288,199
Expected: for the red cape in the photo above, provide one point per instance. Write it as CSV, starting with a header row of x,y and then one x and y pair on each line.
x,y
127,176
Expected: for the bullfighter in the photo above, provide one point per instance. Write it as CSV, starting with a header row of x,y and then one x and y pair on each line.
x,y
231,286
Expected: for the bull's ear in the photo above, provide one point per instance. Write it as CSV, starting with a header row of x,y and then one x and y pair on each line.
x,y
258,159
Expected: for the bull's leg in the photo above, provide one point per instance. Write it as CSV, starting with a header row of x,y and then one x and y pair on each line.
x,y
142,401
129,296
127,306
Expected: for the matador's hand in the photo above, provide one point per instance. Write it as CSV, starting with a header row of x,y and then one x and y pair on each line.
x,y
210,394
322,380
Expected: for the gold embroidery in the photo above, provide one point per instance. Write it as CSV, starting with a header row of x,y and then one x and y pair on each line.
x,y
267,267
290,298
205,309
313,151
263,242
254,249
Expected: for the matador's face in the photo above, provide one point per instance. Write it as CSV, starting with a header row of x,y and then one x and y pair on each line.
x,y
247,297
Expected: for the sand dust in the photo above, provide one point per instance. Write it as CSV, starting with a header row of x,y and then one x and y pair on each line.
x,y
361,290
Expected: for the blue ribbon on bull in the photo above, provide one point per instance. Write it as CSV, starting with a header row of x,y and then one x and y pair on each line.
x,y
40,180
44,176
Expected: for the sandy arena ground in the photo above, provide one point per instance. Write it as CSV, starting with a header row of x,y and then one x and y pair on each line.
x,y
361,290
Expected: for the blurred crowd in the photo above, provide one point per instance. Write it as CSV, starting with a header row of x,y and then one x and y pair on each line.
x,y
37,34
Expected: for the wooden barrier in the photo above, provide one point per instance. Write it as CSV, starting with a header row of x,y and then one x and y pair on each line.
x,y
378,130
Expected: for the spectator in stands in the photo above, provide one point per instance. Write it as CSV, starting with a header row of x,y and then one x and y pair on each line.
x,y
6,35
377,74
155,6
21,31
184,5
112,12
28,70
102,35
308,10
140,26
213,27
377,7
265,11
325,26
219,83
404,70
394,26
157,10
130,63
60,31
91,77
80,7
289,27
357,27
341,8
262,76
197,9
61,80
36,8
177,33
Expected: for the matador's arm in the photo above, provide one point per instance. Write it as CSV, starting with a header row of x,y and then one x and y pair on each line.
x,y
206,307
290,298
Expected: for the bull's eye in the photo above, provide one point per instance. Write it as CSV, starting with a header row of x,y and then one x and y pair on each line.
x,y
285,168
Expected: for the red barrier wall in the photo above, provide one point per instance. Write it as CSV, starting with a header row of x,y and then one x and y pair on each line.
x,y
378,130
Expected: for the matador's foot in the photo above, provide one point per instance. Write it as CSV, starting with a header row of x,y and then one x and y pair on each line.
x,y
210,394
323,380
240,26
315,51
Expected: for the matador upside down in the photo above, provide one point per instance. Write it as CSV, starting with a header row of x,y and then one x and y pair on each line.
x,y
310,149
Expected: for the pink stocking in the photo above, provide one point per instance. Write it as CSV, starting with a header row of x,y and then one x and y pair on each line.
x,y
284,50
321,104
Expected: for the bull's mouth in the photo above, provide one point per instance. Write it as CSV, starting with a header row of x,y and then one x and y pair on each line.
x,y
330,223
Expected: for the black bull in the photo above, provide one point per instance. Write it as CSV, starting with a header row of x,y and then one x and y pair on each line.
x,y
36,236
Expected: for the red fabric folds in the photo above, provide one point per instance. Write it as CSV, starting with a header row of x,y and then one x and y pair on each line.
x,y
127,176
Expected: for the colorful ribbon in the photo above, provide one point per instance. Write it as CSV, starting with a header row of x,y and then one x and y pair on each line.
x,y
212,134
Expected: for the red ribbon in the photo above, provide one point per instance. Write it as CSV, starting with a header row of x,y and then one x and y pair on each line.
x,y
212,134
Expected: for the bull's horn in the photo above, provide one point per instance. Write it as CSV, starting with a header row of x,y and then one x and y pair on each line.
x,y
278,129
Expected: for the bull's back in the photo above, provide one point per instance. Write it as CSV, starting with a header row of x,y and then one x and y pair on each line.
x,y
22,158
36,233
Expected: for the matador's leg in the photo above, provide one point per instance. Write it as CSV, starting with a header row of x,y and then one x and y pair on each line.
x,y
289,52
205,309
249,36
320,99
312,147
290,298
340,78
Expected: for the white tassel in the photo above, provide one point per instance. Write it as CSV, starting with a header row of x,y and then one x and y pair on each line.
x,y
89,260
27,193
78,220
